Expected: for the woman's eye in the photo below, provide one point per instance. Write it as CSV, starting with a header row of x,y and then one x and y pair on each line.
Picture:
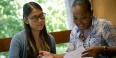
x,y
83,17
75,18
34,18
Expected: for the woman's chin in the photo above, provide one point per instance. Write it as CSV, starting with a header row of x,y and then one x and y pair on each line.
x,y
40,28
81,28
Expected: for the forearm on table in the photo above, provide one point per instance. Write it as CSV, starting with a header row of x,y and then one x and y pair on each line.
x,y
58,55
111,51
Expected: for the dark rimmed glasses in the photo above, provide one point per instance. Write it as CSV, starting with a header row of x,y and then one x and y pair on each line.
x,y
41,16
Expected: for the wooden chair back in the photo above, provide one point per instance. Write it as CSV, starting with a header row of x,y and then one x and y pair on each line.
x,y
60,37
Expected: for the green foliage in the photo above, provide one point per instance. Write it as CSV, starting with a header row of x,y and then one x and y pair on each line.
x,y
10,24
56,16
4,54
11,18
61,48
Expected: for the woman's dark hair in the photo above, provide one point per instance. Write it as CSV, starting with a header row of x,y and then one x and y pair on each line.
x,y
84,3
32,51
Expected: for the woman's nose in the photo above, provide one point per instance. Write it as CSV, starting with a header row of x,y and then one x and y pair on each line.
x,y
79,21
39,20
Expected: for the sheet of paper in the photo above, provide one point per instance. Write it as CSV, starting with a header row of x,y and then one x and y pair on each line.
x,y
76,53
45,57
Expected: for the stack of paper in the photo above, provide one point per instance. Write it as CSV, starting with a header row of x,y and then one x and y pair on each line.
x,y
76,53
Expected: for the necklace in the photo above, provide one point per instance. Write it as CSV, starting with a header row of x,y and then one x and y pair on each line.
x,y
82,35
83,38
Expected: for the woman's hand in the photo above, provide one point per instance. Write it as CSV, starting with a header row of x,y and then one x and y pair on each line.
x,y
45,54
94,51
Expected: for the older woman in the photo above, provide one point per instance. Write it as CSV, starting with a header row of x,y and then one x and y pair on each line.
x,y
89,30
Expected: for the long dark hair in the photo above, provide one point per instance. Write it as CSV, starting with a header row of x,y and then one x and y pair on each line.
x,y
32,51
84,3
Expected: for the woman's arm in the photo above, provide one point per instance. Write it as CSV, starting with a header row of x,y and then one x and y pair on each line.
x,y
109,34
58,55
14,48
49,55
96,50
111,51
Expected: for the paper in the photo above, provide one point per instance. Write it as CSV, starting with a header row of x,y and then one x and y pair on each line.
x,y
45,57
76,53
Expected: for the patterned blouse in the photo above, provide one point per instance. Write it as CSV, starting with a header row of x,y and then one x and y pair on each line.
x,y
103,33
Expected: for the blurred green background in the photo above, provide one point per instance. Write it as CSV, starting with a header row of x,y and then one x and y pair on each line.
x,y
11,18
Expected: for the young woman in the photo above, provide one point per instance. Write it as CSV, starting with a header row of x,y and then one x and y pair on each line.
x,y
89,30
28,43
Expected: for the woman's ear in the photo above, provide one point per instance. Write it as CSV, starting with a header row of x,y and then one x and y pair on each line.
x,y
26,20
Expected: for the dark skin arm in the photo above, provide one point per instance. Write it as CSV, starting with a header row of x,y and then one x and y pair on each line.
x,y
111,51
96,50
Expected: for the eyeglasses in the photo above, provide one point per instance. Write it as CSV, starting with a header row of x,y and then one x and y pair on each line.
x,y
41,16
